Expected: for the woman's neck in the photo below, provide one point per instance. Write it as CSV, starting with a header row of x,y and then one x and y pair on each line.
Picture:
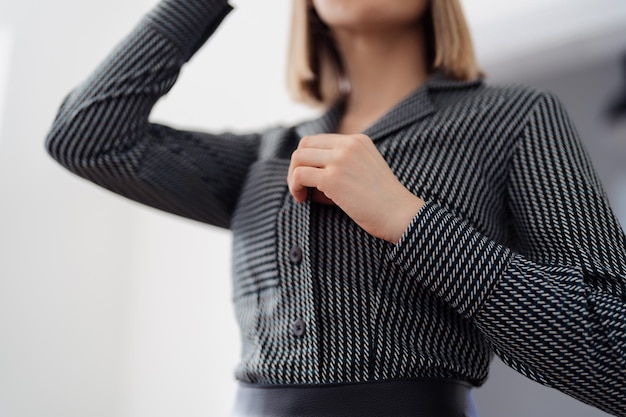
x,y
383,67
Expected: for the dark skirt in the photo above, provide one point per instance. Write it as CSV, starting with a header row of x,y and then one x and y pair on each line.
x,y
411,398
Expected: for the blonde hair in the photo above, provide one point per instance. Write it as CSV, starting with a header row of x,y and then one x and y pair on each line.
x,y
314,70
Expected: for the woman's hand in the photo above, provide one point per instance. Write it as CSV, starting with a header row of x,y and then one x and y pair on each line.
x,y
348,170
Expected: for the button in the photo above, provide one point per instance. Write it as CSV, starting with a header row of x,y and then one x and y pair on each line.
x,y
298,328
295,255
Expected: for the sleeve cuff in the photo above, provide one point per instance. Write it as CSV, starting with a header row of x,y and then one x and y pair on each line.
x,y
188,23
450,258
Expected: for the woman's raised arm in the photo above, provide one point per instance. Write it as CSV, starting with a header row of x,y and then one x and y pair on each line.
x,y
103,134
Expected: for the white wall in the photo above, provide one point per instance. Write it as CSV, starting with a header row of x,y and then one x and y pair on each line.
x,y
64,247
108,308
6,46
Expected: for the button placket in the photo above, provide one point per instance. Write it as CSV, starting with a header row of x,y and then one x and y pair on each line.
x,y
296,308
298,327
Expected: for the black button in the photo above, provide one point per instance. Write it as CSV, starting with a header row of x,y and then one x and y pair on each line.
x,y
298,327
295,254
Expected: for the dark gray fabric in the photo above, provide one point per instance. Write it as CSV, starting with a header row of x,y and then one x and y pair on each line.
x,y
517,250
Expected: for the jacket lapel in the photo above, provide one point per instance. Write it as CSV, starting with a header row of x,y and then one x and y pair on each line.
x,y
416,106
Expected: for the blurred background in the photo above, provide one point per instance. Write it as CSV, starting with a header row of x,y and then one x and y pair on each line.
x,y
108,308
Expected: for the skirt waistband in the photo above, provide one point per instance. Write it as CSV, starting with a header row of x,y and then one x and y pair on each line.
x,y
410,398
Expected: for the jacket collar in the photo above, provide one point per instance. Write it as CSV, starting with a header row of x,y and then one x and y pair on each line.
x,y
416,106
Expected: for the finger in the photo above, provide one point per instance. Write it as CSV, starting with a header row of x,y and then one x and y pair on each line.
x,y
317,158
311,157
307,157
354,143
321,141
301,179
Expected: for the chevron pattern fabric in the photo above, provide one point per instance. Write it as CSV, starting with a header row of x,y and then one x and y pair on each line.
x,y
516,252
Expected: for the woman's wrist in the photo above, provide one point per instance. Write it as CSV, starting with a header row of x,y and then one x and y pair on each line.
x,y
401,216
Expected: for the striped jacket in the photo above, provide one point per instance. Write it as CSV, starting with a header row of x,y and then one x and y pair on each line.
x,y
516,252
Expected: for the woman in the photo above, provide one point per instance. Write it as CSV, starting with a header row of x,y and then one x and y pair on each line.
x,y
384,251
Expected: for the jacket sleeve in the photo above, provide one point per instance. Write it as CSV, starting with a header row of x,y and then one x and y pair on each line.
x,y
553,309
103,134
